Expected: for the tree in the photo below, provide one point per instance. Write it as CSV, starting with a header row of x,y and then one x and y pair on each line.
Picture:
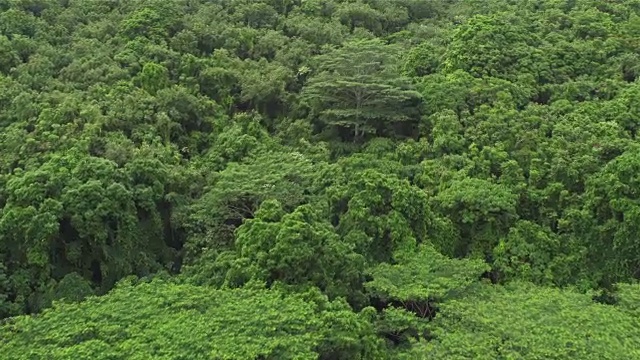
x,y
85,214
152,78
166,320
498,45
525,321
378,212
422,60
531,252
298,249
235,194
358,87
411,289
610,218
421,274
481,210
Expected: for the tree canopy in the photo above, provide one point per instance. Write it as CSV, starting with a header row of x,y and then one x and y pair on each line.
x,y
319,179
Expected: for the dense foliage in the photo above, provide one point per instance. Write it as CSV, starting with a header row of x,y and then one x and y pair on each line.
x,y
319,179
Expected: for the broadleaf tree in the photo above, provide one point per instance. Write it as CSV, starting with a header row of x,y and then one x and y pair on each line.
x,y
359,87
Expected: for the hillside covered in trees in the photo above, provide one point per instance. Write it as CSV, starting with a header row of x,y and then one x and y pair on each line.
x,y
319,179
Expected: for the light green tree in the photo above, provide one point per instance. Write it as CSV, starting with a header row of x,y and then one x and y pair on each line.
x,y
163,320
522,321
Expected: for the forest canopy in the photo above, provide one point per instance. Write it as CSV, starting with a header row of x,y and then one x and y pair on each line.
x,y
319,179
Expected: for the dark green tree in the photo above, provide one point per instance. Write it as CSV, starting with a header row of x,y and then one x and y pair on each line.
x,y
358,87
